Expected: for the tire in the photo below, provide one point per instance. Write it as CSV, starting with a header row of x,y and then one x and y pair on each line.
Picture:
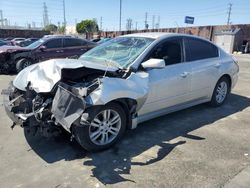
x,y
23,63
91,136
4,68
219,98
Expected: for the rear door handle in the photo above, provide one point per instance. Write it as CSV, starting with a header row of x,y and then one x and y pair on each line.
x,y
59,51
184,74
217,65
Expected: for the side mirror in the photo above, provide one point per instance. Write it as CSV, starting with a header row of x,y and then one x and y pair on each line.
x,y
73,57
153,64
42,48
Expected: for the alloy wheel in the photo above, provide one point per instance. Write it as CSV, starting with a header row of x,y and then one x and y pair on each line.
x,y
221,92
105,127
26,63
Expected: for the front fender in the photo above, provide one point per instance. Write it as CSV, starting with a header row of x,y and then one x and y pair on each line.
x,y
20,55
134,87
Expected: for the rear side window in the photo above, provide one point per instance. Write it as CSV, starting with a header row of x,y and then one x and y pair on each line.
x,y
198,49
54,43
73,42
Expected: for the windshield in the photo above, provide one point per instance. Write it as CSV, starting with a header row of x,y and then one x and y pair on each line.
x,y
120,52
35,44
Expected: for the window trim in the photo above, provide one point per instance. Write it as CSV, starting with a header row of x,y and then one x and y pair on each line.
x,y
44,44
82,45
183,58
187,48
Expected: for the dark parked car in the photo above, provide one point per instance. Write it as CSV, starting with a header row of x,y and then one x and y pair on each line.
x,y
2,42
26,42
15,41
15,58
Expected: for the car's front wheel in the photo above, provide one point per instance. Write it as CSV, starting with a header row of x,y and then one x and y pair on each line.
x,y
106,127
221,92
23,63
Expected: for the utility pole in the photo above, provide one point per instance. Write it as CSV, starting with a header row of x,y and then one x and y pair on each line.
x,y
45,15
146,20
129,24
101,23
1,17
229,13
64,17
158,22
136,23
120,24
153,21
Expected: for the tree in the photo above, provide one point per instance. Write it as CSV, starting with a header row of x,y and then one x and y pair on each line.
x,y
87,26
51,28
61,29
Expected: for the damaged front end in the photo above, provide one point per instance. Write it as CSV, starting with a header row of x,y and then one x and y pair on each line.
x,y
30,110
46,106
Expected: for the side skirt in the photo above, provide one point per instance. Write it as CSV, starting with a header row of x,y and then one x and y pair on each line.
x,y
148,116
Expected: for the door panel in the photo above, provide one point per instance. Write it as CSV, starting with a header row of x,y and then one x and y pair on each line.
x,y
74,47
74,51
168,87
53,50
203,59
204,76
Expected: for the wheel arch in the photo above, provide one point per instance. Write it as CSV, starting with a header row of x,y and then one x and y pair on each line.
x,y
129,106
228,77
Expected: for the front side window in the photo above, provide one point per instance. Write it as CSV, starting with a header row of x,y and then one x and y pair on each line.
x,y
120,52
36,44
197,49
54,43
170,51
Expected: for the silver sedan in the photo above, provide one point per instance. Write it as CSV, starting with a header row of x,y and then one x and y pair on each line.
x,y
119,84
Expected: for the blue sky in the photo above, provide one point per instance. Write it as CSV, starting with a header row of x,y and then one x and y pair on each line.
x,y
172,13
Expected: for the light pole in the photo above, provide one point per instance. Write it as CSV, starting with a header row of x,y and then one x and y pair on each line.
x,y
64,17
120,25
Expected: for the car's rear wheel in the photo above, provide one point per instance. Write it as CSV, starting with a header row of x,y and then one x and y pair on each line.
x,y
4,68
23,63
106,128
220,92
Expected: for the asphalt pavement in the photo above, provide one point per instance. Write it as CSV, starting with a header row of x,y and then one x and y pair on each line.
x,y
197,147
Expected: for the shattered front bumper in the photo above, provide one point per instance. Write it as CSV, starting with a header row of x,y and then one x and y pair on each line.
x,y
8,106
67,106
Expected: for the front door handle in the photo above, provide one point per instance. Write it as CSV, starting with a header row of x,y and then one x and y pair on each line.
x,y
184,74
217,65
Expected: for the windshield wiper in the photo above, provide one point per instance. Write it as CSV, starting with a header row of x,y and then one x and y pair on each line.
x,y
108,62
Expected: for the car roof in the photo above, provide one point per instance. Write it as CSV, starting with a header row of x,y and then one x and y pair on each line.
x,y
153,35
160,35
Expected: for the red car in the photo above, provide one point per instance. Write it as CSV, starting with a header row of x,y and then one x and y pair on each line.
x,y
14,59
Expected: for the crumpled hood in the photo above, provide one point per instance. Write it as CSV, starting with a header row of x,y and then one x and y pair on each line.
x,y
43,76
12,49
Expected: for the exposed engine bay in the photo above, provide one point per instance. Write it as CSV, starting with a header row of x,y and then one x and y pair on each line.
x,y
45,104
